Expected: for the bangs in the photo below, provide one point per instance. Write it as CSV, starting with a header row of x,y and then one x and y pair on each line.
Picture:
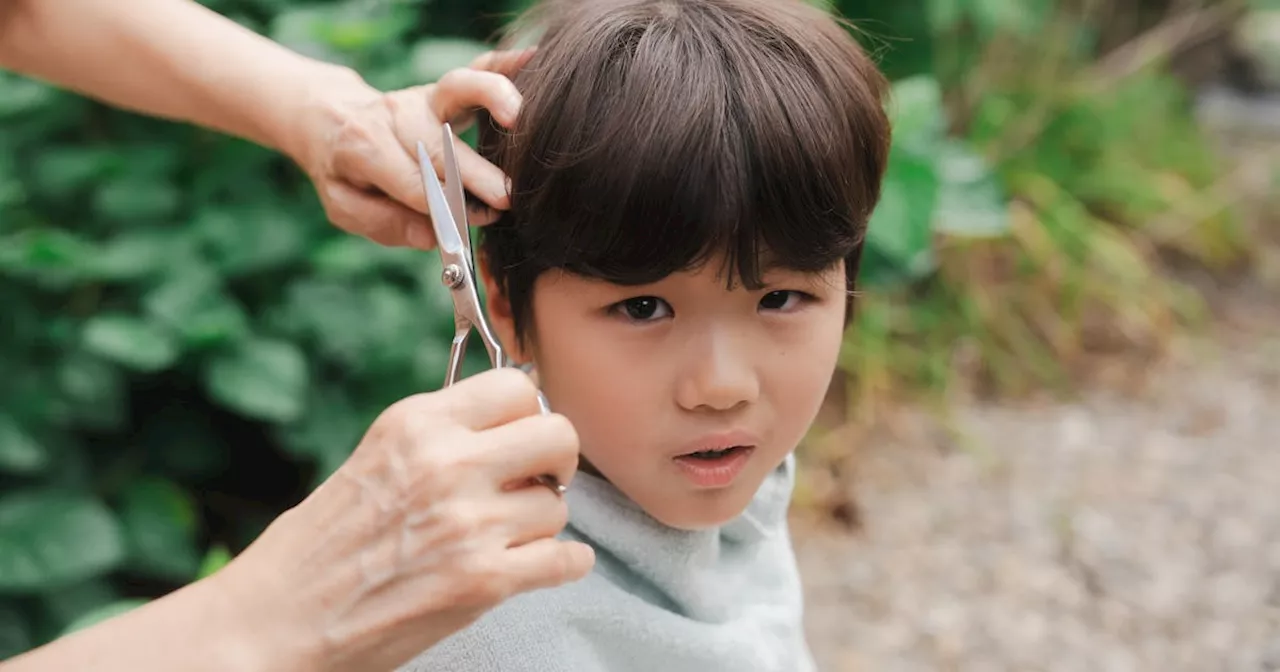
x,y
657,135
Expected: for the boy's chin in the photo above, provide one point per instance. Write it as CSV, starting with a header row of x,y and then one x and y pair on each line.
x,y
697,511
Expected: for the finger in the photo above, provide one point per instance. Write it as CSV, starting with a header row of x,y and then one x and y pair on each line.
x,y
530,447
381,161
465,89
414,121
480,177
546,563
531,514
379,218
489,399
481,215
507,62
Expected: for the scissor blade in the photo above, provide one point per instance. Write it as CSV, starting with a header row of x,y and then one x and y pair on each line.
x,y
441,215
454,193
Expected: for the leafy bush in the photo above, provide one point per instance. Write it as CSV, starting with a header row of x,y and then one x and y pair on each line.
x,y
189,346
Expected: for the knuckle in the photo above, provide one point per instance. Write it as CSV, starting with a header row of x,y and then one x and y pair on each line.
x,y
455,78
332,194
420,412
354,132
463,521
418,422
511,382
435,152
483,61
561,431
396,102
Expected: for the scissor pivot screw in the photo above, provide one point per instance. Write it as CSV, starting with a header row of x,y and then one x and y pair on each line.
x,y
452,276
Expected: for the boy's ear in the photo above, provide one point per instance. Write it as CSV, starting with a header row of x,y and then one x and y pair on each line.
x,y
498,307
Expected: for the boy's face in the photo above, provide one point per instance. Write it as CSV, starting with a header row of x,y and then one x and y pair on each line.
x,y
650,374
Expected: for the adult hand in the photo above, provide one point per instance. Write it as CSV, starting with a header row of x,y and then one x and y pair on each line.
x,y
432,521
359,146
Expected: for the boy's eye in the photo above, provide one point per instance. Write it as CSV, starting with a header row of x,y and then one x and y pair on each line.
x,y
782,300
645,308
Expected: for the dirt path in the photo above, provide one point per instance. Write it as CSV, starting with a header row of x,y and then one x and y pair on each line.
x,y
1116,533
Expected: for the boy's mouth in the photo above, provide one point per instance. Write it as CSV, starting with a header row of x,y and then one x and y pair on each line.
x,y
714,454
711,466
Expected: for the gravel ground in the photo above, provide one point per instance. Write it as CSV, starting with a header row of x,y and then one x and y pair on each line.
x,y
1122,532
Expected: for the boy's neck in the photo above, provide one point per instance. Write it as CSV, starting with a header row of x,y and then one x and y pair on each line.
x,y
585,466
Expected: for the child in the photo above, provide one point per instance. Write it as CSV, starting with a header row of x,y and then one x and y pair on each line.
x,y
691,182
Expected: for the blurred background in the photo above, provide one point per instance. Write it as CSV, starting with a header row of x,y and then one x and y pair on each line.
x,y
1051,444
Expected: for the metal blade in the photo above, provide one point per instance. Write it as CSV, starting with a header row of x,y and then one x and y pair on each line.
x,y
441,214
453,190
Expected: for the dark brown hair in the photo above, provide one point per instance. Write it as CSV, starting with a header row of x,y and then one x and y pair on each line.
x,y
656,134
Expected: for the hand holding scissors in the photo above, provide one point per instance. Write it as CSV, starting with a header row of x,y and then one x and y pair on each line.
x,y
449,219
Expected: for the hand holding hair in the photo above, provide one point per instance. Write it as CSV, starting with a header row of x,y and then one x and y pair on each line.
x,y
359,147
177,60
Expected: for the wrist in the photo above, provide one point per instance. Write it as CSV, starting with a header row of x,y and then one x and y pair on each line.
x,y
314,109
263,633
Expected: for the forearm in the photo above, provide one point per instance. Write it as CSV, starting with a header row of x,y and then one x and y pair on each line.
x,y
199,628
173,59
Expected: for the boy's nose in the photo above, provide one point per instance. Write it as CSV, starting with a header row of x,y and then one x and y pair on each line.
x,y
718,376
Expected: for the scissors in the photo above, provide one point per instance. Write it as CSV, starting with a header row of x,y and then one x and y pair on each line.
x,y
453,237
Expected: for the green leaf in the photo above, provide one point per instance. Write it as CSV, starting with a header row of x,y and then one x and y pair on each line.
x,y
330,429
159,522
916,112
301,28
217,558
1020,17
184,440
194,305
63,606
130,341
347,256
60,171
262,378
51,256
945,15
132,255
15,634
103,613
95,391
50,539
19,95
19,452
434,57
137,198
362,30
901,228
971,200
251,239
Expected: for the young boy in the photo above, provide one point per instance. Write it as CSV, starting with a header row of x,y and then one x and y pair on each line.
x,y
691,182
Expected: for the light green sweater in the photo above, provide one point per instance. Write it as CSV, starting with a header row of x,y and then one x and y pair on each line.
x,y
659,599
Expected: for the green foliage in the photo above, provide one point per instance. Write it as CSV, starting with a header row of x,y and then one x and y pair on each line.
x,y
190,346
1032,235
